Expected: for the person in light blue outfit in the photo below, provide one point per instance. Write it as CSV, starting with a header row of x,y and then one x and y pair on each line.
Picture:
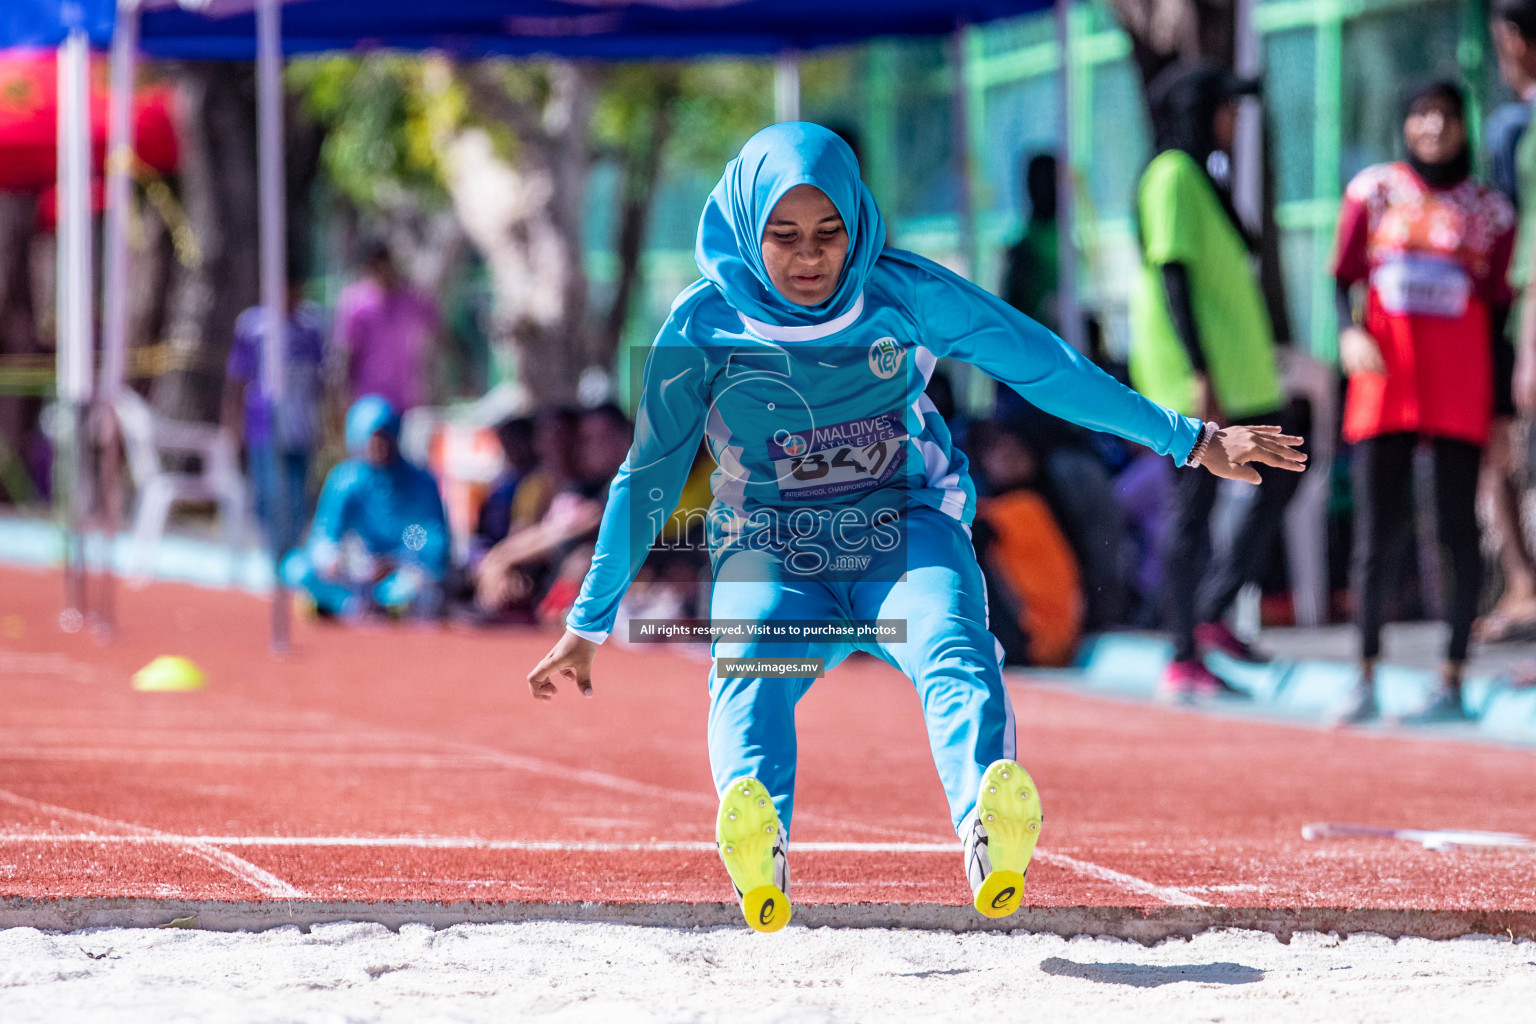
x,y
801,357
379,540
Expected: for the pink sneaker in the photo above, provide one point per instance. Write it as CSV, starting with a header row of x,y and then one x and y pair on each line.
x,y
1215,636
1185,680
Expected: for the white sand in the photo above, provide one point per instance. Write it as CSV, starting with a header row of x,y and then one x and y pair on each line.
x,y
597,972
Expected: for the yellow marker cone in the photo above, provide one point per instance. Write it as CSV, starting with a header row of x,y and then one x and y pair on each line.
x,y
167,673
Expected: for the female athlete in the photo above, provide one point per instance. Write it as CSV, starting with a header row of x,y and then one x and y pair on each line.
x,y
839,501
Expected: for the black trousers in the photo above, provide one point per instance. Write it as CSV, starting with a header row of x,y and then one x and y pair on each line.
x,y
1383,486
1193,598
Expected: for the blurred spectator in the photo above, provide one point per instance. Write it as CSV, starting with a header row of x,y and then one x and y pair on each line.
x,y
1144,491
1512,153
1033,592
280,447
540,565
1432,249
387,330
1202,344
605,434
1076,480
1032,273
1502,133
496,514
379,541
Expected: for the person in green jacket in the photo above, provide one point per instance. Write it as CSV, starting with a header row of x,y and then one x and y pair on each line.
x,y
1202,343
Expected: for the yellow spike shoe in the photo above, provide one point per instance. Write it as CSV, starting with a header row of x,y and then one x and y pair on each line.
x,y
751,843
1002,839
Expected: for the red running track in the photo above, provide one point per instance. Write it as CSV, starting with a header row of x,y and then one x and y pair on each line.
x,y
394,763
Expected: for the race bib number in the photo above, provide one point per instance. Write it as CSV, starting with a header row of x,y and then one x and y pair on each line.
x,y
839,459
1419,285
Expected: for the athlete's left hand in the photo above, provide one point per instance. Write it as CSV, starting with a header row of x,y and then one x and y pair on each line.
x,y
1233,448
571,659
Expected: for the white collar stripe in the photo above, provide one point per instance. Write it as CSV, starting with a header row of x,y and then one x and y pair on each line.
x,y
773,332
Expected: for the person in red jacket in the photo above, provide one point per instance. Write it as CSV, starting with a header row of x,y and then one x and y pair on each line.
x,y
1432,249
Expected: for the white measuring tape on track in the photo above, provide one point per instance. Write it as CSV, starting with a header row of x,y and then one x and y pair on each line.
x,y
1430,839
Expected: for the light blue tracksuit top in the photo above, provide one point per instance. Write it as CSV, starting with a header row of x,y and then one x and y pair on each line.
x,y
821,408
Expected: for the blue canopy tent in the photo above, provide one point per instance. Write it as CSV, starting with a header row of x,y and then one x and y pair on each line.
x,y
267,29
603,29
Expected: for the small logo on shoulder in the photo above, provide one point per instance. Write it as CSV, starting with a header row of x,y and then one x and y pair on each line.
x,y
885,357
1002,899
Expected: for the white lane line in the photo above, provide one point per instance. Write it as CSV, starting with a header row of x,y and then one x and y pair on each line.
x,y
371,758
15,663
263,881
1166,893
461,757
460,843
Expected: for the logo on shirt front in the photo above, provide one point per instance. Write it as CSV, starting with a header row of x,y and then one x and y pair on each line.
x,y
885,358
794,445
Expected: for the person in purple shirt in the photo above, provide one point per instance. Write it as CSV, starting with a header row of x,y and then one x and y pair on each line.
x,y
387,330
280,446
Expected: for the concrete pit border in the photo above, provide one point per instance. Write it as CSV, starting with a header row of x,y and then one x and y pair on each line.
x,y
1140,924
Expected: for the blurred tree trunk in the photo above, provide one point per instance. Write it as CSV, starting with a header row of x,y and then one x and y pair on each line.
x,y
520,204
1165,31
218,192
641,172
18,324
18,223
217,129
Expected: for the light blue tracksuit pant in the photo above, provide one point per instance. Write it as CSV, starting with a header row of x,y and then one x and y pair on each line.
x,y
949,655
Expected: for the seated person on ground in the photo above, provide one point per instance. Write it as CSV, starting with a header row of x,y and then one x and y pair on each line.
x,y
675,579
541,566
505,586
496,517
379,541
1033,589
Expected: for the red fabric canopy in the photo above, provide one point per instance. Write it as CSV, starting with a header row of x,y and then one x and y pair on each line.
x,y
29,118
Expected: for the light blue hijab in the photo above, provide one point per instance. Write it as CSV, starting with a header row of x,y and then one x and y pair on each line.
x,y
369,415
730,247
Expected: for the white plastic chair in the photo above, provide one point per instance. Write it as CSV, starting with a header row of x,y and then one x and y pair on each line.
x,y
147,438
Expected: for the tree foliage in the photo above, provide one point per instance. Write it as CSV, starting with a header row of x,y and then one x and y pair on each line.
x,y
416,137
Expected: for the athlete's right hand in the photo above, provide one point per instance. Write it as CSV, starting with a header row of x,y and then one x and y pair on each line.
x,y
1233,448
569,659
1359,352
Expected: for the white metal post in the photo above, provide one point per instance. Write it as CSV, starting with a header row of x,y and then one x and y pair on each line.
x,y
120,158
114,321
74,344
786,87
1248,149
273,245
1068,312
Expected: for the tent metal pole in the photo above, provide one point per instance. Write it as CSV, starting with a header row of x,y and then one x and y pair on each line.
x,y
114,342
74,296
273,249
120,158
786,87
1069,312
